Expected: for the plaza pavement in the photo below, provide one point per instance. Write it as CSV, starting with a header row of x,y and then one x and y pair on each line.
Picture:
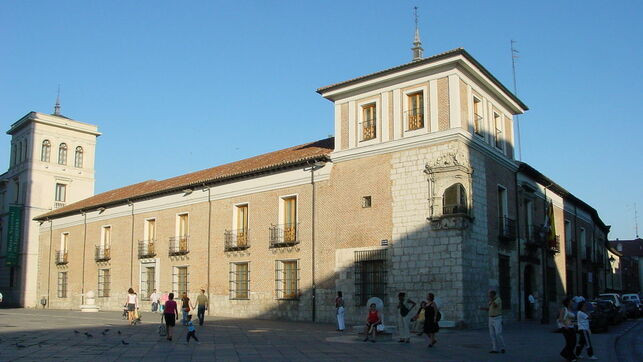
x,y
31,335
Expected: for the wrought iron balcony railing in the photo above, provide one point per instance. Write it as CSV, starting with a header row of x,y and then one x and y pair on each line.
x,y
368,130
506,229
179,245
454,209
283,235
102,253
236,240
415,118
146,249
58,204
553,245
61,257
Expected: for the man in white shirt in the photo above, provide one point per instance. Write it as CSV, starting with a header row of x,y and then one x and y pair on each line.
x,y
154,297
584,331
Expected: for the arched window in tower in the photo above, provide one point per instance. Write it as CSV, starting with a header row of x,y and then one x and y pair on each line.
x,y
454,200
62,154
45,153
78,159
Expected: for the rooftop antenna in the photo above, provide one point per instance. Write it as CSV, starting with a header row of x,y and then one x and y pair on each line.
x,y
57,106
514,56
417,43
636,221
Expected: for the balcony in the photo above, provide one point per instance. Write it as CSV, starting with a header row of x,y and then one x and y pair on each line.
x,y
454,210
283,235
178,245
368,130
146,249
235,240
554,245
61,257
506,229
415,118
58,204
102,253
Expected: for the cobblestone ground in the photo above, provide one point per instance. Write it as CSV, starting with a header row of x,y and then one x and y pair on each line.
x,y
29,335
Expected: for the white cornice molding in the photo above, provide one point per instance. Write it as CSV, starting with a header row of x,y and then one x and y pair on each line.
x,y
421,141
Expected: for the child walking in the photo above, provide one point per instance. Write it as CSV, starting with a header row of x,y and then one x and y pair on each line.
x,y
584,331
191,330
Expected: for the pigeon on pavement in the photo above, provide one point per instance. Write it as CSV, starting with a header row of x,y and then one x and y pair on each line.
x,y
88,335
20,345
123,342
75,331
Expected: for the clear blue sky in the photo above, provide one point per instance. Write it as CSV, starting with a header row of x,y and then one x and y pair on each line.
x,y
182,86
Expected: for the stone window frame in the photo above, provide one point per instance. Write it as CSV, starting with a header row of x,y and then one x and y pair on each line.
x,y
439,178
45,151
376,101
63,279
104,282
62,154
424,89
281,281
233,286
78,157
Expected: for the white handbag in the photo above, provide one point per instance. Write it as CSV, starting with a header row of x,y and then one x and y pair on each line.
x,y
379,327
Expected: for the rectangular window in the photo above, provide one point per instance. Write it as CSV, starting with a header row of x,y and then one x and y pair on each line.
x,y
150,229
184,226
287,279
529,210
477,116
504,278
62,284
180,281
568,238
242,225
61,192
64,241
239,281
583,243
415,114
366,201
570,282
103,282
370,275
497,121
290,219
106,237
369,119
148,281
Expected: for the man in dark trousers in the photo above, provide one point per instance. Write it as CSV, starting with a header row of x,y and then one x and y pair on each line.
x,y
202,306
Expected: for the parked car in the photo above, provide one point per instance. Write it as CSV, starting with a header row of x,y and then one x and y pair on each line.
x,y
598,318
631,309
613,314
613,297
633,298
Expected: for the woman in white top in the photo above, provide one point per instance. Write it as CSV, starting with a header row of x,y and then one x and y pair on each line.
x,y
132,305
566,323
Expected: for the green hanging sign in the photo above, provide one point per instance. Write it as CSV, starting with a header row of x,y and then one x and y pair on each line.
x,y
14,234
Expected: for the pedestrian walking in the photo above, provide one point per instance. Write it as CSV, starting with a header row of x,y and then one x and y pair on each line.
x,y
404,307
431,318
170,315
191,331
566,323
339,308
418,320
373,319
155,298
201,306
132,305
494,307
185,308
584,332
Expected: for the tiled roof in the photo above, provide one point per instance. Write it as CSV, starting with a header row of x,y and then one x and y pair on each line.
x,y
318,150
431,59
630,247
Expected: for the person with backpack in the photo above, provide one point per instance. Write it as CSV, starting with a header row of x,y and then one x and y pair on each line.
x,y
432,316
404,307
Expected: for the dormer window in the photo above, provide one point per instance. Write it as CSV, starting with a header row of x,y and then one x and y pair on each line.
x,y
415,113
369,119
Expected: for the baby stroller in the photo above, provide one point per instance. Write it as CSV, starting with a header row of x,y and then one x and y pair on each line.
x,y
124,316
